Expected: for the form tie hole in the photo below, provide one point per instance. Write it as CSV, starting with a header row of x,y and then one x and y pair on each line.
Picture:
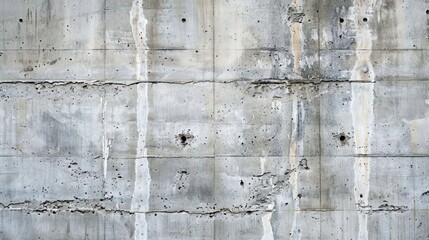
x,y
183,139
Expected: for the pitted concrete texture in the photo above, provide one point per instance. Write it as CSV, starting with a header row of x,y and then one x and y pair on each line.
x,y
214,119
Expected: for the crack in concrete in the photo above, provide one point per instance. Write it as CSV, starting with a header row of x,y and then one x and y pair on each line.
x,y
99,83
63,206
383,208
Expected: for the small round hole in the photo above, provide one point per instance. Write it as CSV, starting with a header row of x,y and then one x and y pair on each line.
x,y
427,11
341,20
183,19
183,138
20,20
342,138
365,19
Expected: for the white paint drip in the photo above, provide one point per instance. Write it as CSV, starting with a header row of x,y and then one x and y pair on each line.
x,y
138,25
140,231
266,225
262,160
294,152
362,106
106,141
363,69
362,115
141,194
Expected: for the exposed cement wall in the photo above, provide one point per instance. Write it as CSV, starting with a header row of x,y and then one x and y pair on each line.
x,y
214,119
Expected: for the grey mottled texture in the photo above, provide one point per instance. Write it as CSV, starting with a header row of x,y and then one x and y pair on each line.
x,y
214,119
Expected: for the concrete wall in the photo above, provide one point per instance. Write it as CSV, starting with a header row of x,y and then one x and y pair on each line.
x,y
214,119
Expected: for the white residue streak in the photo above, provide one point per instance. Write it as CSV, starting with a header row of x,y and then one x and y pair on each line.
x,y
294,153
266,225
296,37
362,106
363,69
263,160
106,141
140,199
138,25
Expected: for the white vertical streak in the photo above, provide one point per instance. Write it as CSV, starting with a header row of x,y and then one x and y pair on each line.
x,y
140,199
293,180
296,37
106,141
266,225
138,25
362,115
297,48
362,106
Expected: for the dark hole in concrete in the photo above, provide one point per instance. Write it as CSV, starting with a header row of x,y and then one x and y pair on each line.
x,y
427,11
241,183
299,195
303,164
342,138
341,20
365,19
20,20
360,195
183,139
183,19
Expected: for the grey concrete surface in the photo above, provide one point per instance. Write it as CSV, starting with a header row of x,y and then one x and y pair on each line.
x,y
214,119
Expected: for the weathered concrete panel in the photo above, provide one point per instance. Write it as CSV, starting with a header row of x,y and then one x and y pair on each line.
x,y
340,65
26,179
162,65
42,120
394,24
52,65
41,24
398,125
257,119
249,64
65,225
170,25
